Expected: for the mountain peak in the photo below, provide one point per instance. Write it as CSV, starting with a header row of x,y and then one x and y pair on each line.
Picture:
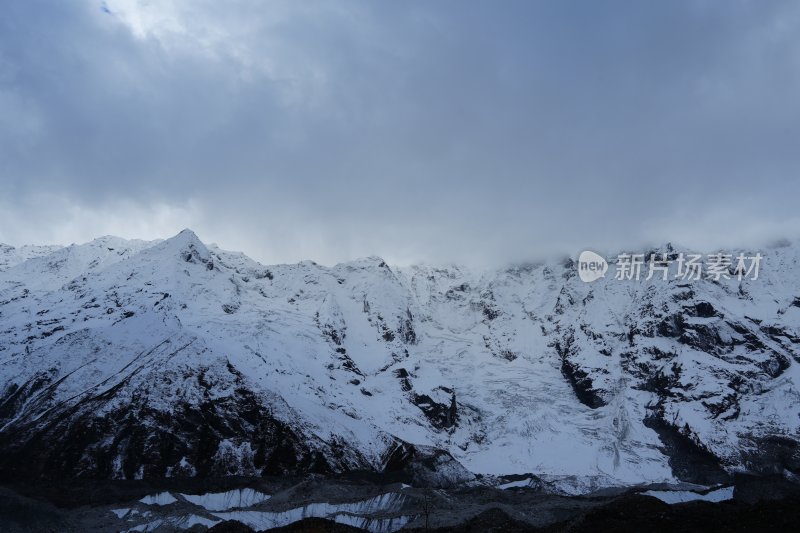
x,y
372,261
185,237
186,245
188,234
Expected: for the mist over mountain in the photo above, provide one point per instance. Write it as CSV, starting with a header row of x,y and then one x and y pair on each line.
x,y
421,132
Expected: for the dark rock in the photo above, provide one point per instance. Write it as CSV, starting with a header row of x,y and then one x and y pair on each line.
x,y
772,454
494,520
753,488
231,526
636,513
82,440
403,375
406,330
399,457
775,365
581,384
671,326
704,310
441,416
703,337
490,312
689,460
315,525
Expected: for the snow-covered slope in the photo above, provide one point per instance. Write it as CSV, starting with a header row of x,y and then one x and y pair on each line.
x,y
11,256
127,359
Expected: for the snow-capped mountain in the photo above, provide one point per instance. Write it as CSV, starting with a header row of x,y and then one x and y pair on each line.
x,y
134,359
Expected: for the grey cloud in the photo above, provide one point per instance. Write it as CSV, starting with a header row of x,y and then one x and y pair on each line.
x,y
471,131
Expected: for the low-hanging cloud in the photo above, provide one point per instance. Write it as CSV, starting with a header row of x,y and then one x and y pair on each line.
x,y
419,131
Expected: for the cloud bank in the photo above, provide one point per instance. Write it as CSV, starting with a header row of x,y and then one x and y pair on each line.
x,y
418,131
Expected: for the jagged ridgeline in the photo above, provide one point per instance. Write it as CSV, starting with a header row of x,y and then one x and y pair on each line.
x,y
131,359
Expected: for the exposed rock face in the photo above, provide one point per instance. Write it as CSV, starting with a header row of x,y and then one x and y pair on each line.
x,y
126,359
99,437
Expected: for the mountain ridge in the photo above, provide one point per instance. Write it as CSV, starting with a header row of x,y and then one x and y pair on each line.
x,y
126,359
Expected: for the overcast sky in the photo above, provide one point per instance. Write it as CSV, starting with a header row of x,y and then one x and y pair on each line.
x,y
469,131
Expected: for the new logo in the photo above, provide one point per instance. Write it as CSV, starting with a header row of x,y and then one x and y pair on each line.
x,y
591,266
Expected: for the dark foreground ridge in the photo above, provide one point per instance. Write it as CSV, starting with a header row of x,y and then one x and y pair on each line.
x,y
758,504
626,514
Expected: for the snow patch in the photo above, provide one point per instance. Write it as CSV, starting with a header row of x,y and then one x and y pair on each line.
x,y
120,512
162,498
225,501
682,496
348,513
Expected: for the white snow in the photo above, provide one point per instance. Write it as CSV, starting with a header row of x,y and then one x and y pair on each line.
x,y
682,496
224,501
149,526
190,520
162,498
349,513
515,484
149,314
